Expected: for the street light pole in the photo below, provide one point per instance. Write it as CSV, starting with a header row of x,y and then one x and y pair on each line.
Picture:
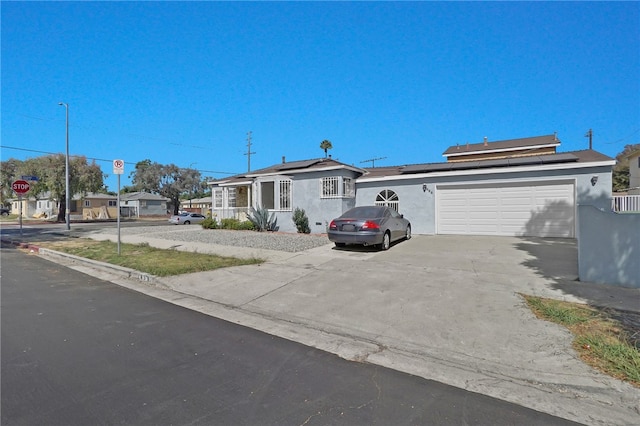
x,y
66,171
190,191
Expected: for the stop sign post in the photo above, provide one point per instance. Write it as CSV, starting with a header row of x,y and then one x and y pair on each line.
x,y
20,187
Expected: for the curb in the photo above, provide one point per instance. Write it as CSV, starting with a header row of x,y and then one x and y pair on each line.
x,y
120,271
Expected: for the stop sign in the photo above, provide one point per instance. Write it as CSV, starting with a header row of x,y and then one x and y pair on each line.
x,y
20,186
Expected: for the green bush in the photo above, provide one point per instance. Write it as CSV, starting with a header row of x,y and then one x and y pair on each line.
x,y
246,226
229,223
209,223
301,221
235,224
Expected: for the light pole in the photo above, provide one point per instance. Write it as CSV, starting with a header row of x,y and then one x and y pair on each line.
x,y
191,192
66,171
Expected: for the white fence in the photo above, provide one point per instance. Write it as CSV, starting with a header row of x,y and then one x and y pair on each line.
x,y
625,203
239,213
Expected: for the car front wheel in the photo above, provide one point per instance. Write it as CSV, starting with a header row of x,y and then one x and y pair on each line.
x,y
186,222
407,235
386,241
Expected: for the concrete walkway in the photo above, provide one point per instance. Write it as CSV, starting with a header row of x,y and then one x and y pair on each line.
x,y
445,308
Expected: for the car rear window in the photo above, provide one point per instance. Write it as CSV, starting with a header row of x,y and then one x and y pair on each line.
x,y
364,212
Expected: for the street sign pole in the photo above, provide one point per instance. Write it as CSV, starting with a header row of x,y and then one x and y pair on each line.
x,y
118,169
20,212
118,215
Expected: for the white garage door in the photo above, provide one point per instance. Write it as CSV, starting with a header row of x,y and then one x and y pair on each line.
x,y
525,209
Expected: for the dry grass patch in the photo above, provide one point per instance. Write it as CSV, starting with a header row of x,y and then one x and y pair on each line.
x,y
601,341
145,258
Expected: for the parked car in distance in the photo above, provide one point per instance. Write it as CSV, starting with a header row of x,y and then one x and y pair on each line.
x,y
5,211
369,225
186,218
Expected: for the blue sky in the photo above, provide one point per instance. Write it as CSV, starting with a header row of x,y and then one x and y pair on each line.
x,y
183,82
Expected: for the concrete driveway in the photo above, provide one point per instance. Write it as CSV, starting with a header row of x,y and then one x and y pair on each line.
x,y
446,308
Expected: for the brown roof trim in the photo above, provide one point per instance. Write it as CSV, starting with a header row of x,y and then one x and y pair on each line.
x,y
504,145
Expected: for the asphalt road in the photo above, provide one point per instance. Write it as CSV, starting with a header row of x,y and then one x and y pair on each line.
x,y
77,350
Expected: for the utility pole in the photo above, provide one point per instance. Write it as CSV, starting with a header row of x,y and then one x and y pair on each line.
x,y
248,154
590,136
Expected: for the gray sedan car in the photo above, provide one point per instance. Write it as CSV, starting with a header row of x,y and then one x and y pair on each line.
x,y
369,225
186,218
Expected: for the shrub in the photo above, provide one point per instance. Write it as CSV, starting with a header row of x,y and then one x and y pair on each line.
x,y
209,223
229,223
301,221
262,221
246,226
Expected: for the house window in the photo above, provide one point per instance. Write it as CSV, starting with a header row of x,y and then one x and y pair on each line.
x,y
388,198
217,198
336,187
232,197
330,187
285,195
113,203
276,195
87,203
267,195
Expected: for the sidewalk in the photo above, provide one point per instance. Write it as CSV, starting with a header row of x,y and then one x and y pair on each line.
x,y
443,308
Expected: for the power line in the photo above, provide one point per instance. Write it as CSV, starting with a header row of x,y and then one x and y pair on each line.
x,y
622,139
96,159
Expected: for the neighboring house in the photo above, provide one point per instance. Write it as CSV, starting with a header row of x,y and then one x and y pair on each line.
x,y
197,205
99,206
514,187
629,200
634,173
26,205
137,204
41,207
323,187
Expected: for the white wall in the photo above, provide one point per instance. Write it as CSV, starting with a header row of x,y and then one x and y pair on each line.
x,y
608,247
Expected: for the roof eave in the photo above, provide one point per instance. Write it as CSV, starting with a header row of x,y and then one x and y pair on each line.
x,y
491,151
555,166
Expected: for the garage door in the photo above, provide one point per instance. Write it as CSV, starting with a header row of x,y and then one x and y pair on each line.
x,y
525,209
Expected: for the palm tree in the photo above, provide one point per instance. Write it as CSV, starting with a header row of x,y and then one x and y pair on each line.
x,y
326,145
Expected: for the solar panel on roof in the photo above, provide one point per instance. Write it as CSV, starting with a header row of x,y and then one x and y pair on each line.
x,y
521,161
426,168
558,158
297,165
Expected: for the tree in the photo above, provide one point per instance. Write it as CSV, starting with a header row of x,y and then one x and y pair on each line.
x,y
50,170
170,181
620,175
8,173
326,145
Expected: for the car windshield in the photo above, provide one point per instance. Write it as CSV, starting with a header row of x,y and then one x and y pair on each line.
x,y
364,212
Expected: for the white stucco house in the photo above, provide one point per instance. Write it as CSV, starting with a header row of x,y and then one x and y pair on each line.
x,y
520,187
